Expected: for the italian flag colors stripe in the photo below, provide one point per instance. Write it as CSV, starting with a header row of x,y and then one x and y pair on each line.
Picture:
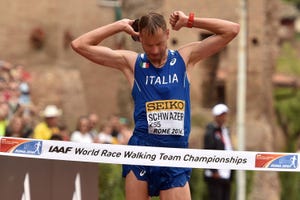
x,y
144,65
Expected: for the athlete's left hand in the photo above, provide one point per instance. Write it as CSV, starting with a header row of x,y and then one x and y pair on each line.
x,y
178,20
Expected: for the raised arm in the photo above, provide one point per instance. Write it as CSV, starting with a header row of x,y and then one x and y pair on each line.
x,y
223,32
89,46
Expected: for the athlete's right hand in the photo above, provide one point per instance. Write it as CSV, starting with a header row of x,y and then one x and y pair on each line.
x,y
127,27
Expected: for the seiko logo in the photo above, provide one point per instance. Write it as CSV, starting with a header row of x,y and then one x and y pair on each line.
x,y
165,105
58,149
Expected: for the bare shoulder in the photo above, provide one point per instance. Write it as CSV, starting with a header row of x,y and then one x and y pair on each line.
x,y
127,63
186,51
129,57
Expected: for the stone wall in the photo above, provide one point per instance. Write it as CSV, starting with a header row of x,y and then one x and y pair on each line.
x,y
60,76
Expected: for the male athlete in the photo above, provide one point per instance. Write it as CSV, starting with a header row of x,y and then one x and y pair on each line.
x,y
160,89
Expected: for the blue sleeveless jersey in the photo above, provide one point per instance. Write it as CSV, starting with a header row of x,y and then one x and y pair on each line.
x,y
162,102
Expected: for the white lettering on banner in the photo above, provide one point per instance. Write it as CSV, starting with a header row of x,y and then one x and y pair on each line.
x,y
166,117
161,80
153,156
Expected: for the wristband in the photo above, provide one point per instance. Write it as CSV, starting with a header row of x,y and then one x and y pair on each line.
x,y
190,21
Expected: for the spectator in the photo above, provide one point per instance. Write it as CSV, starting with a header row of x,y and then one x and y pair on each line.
x,y
13,84
64,132
29,117
17,128
2,96
114,122
217,137
105,135
4,111
20,79
23,75
82,134
5,68
56,137
13,100
49,126
124,131
24,98
93,129
3,89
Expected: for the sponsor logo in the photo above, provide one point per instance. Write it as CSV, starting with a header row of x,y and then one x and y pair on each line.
x,y
281,161
58,149
173,62
21,146
142,173
165,105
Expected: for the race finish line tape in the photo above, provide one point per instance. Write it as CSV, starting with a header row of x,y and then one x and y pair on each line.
x,y
149,156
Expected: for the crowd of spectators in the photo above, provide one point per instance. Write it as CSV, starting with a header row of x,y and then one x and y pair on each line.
x,y
16,109
19,117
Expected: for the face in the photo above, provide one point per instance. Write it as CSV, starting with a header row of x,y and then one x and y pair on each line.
x,y
51,121
155,46
93,120
221,119
84,125
17,125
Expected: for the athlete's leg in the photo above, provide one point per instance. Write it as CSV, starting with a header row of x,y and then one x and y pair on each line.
x,y
178,193
135,189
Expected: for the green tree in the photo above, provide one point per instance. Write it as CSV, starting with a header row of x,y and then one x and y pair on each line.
x,y
295,2
287,110
111,183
